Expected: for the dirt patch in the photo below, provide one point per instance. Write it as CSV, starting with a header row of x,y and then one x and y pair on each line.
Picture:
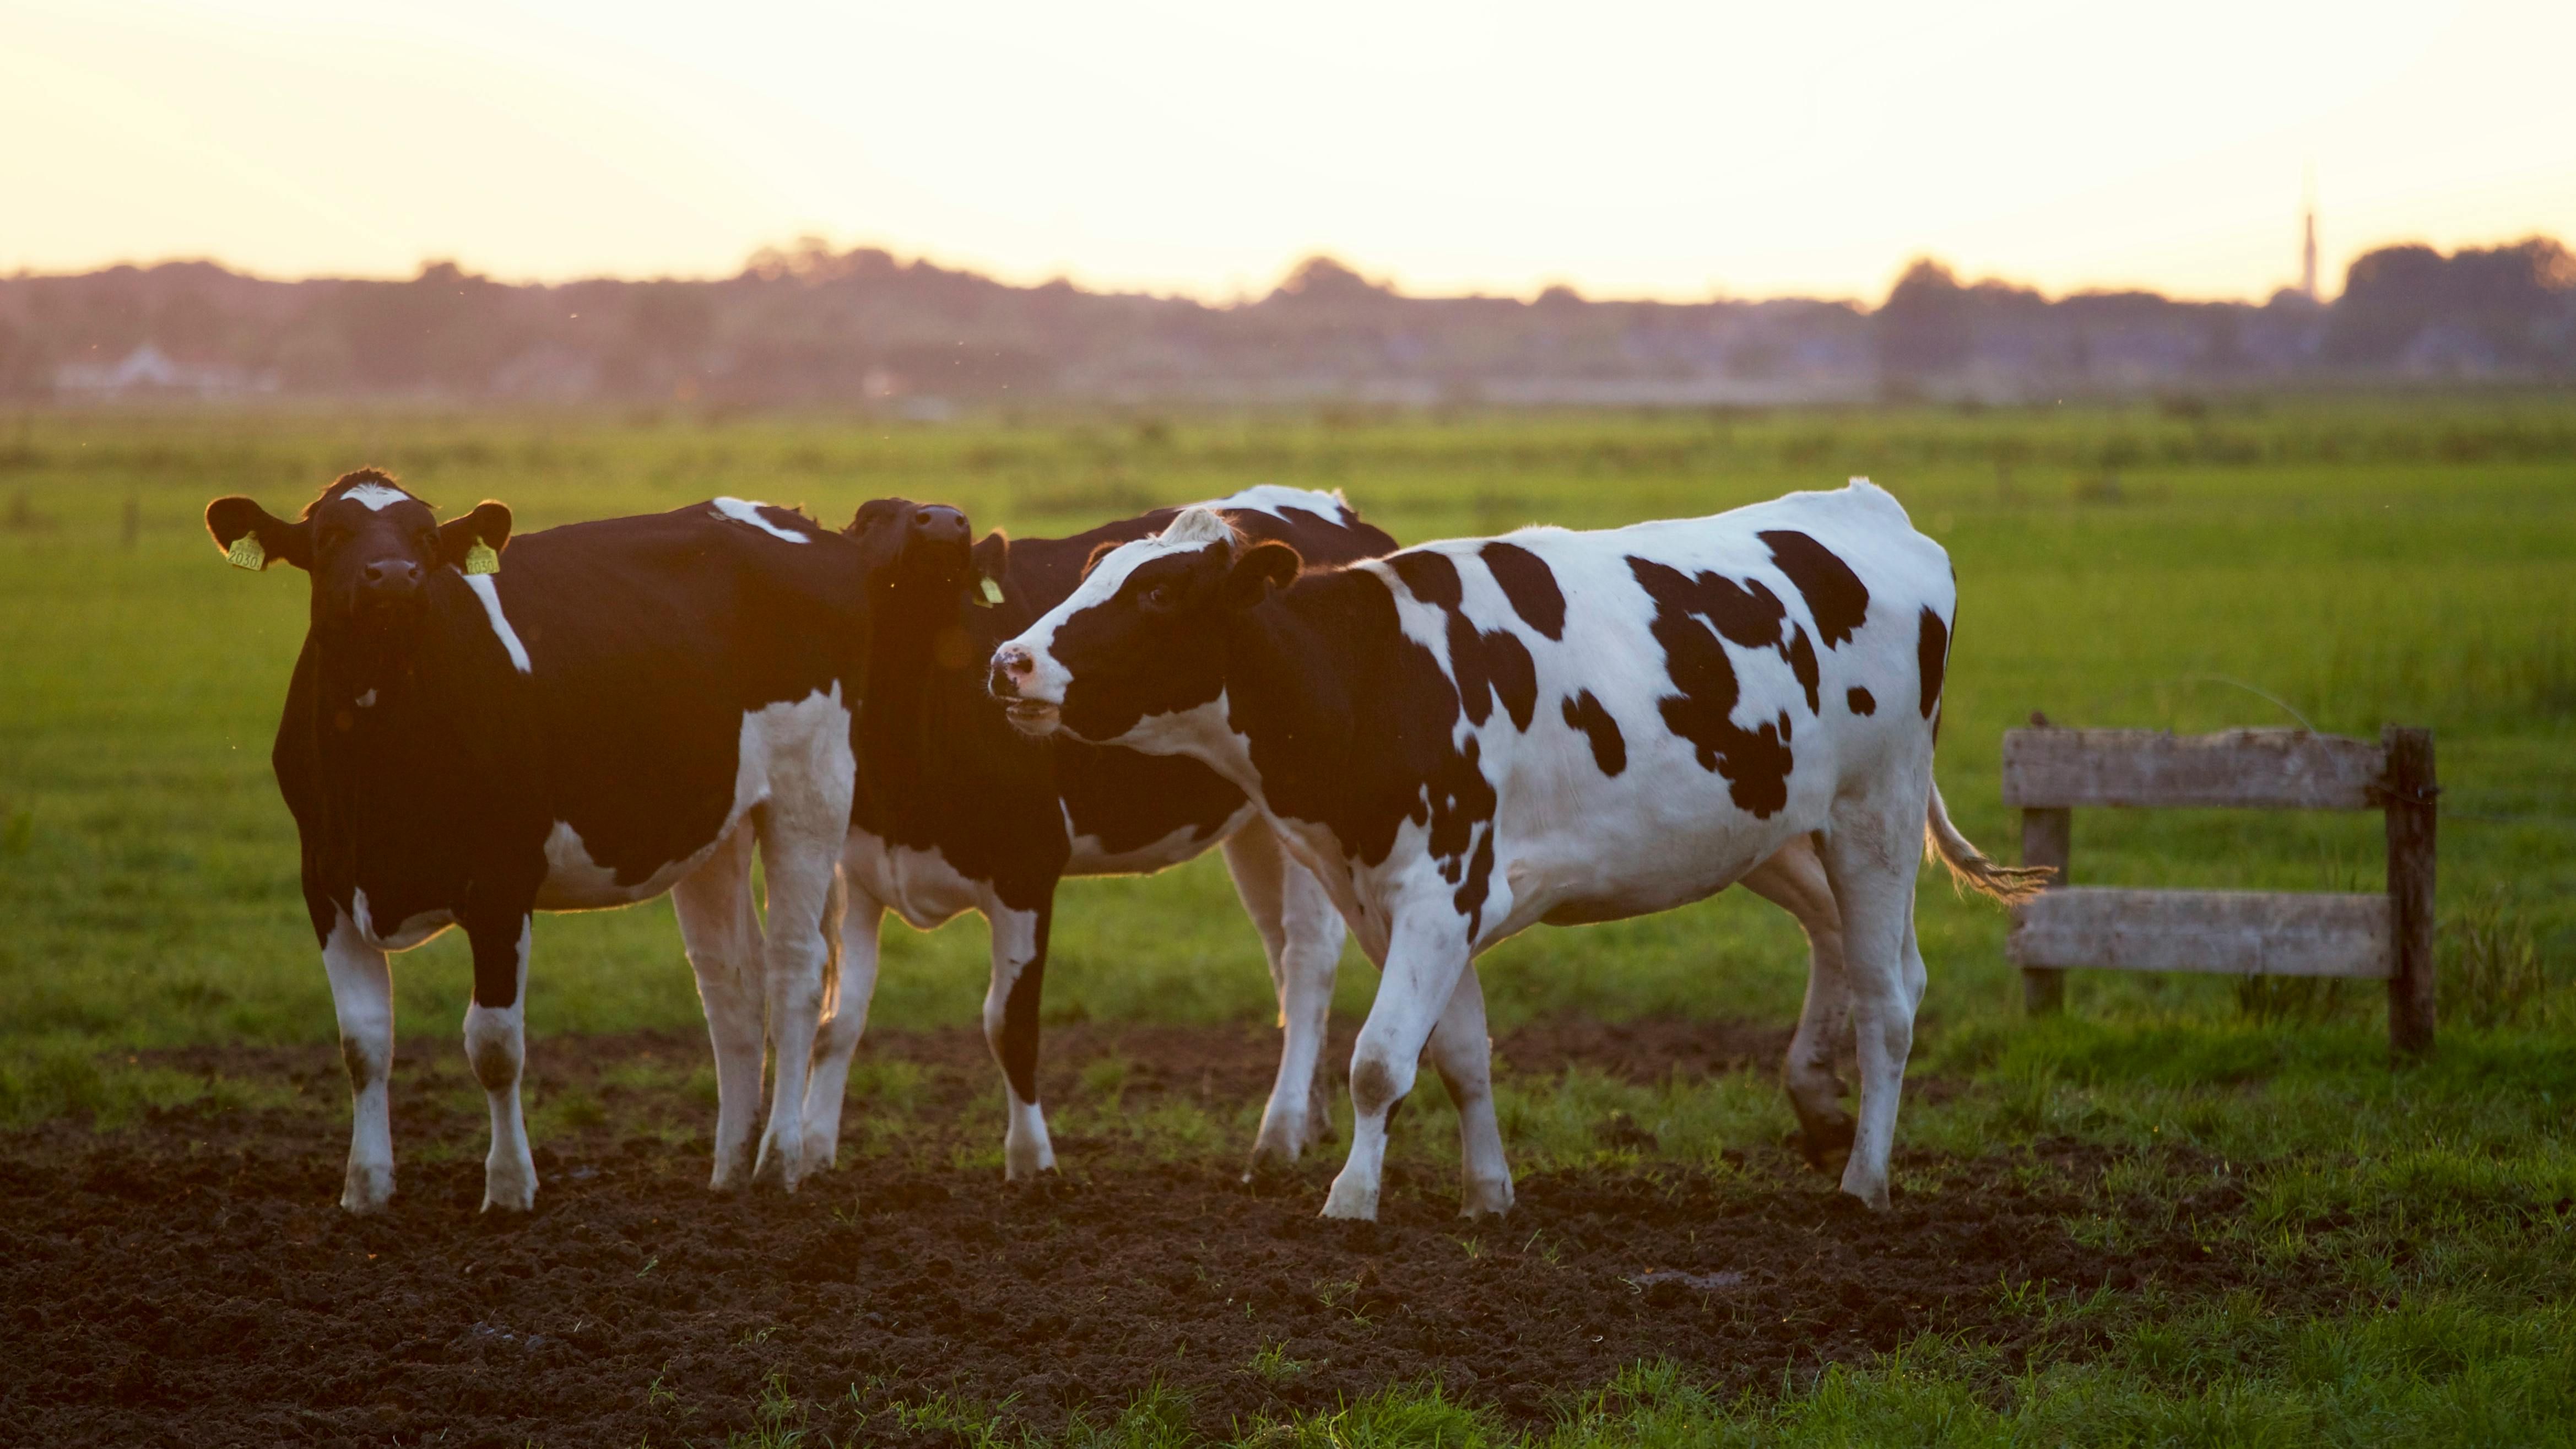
x,y
189,1281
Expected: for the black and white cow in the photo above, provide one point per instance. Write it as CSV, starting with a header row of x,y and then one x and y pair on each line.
x,y
620,712
956,811
1468,738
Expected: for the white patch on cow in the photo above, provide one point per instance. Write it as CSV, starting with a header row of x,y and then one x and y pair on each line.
x,y
490,594
367,700
1271,498
745,510
362,996
780,743
1091,857
918,885
411,932
376,497
496,1048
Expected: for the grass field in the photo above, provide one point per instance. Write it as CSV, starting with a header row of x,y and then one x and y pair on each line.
x,y
2341,563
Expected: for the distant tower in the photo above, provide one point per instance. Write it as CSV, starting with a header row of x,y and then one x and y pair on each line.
x,y
2308,251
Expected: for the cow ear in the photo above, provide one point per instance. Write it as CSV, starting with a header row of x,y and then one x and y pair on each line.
x,y
992,559
1261,568
474,542
252,537
1097,554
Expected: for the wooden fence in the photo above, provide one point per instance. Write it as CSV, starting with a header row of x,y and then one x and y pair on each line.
x,y
2049,772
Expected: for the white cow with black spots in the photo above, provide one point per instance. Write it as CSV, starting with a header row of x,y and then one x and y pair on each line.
x,y
1469,738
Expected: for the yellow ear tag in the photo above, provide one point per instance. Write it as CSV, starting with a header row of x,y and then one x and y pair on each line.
x,y
988,592
246,553
482,558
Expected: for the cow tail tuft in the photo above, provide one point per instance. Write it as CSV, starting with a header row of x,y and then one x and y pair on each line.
x,y
836,907
1971,868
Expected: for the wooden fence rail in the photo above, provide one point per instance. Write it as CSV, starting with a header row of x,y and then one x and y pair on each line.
x,y
2049,772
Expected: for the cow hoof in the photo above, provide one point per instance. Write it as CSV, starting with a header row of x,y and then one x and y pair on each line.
x,y
1351,1203
1023,1159
1874,1198
1490,1197
367,1190
772,1171
510,1197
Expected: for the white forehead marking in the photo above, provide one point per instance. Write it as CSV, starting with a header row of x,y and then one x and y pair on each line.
x,y
376,497
742,510
1271,497
483,589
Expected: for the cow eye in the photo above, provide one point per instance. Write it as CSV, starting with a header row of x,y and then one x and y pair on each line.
x,y
1157,598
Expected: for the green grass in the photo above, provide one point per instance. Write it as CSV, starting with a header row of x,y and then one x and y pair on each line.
x,y
2347,563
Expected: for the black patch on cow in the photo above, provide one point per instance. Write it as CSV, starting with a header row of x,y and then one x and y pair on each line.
x,y
1526,580
1756,763
1609,747
1488,666
1019,1047
1802,661
1931,655
1834,594
1860,700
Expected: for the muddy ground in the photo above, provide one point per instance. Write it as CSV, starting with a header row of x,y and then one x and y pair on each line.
x,y
187,1278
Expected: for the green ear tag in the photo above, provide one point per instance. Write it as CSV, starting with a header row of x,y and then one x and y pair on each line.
x,y
247,554
482,558
988,592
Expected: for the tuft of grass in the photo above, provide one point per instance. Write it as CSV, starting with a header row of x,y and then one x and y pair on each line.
x,y
2490,962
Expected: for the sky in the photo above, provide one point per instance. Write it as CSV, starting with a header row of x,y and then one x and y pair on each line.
x,y
1633,150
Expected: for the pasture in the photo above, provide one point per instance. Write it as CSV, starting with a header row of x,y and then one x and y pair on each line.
x,y
2191,1211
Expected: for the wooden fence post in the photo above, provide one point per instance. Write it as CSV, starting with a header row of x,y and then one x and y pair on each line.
x,y
2409,800
2047,838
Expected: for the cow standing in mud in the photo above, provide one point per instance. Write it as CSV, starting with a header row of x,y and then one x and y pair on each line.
x,y
622,711
955,810
1469,738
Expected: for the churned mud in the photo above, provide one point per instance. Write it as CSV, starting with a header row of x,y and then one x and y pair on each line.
x,y
188,1279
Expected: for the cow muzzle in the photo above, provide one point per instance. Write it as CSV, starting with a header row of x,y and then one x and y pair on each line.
x,y
1013,682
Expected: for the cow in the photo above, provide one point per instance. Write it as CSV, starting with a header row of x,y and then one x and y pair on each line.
x,y
955,810
626,709
1469,738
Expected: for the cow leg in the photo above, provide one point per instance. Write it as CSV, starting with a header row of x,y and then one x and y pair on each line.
x,y
846,1020
362,996
1794,880
1301,934
798,856
1870,856
720,929
1426,952
1011,1029
496,1046
1463,1054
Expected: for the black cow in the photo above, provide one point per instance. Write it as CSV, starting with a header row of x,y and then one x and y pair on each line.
x,y
1469,738
956,811
620,712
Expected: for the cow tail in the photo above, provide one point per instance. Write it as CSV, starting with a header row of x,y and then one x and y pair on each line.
x,y
836,906
1971,868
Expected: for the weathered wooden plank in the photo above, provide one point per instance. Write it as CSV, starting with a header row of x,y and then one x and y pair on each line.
x,y
2047,838
2053,769
2411,821
2246,933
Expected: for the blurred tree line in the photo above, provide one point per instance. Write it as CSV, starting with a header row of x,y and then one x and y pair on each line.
x,y
805,325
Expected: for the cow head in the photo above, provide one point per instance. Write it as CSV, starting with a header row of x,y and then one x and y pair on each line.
x,y
1143,635
923,570
370,546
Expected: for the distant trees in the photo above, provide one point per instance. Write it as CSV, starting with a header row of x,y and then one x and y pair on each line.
x,y
2479,309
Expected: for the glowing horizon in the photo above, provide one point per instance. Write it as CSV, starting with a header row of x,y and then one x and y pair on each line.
x,y
1636,151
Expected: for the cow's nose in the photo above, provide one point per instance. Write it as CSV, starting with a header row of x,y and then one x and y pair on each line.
x,y
939,524
1012,667
392,575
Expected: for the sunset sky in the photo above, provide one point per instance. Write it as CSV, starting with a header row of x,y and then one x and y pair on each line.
x,y
1629,149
